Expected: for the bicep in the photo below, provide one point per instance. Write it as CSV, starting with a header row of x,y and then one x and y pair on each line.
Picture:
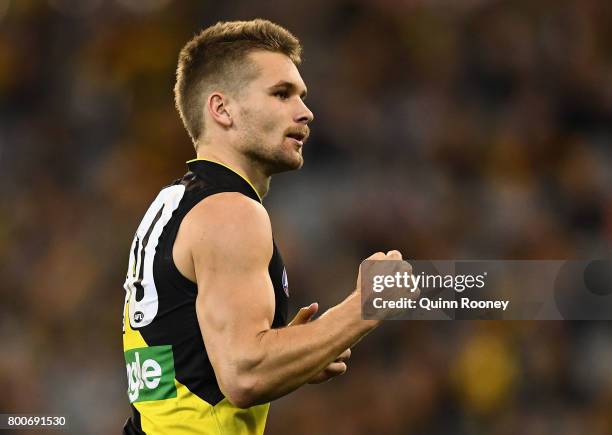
x,y
233,306
235,302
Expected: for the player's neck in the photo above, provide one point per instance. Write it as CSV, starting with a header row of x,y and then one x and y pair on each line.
x,y
239,164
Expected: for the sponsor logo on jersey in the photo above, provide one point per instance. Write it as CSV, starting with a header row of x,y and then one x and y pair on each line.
x,y
285,282
150,372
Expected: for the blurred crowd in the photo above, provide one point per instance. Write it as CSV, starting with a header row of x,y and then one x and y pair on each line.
x,y
445,129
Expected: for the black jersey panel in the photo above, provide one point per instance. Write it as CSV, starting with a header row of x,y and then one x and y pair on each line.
x,y
176,321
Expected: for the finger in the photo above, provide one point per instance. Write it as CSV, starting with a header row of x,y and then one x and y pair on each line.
x,y
332,370
335,369
344,356
318,378
394,255
304,315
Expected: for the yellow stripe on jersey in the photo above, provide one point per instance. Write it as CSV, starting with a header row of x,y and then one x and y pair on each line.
x,y
131,338
188,414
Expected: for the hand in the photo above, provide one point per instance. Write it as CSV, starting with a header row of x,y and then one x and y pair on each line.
x,y
305,314
391,255
395,265
335,368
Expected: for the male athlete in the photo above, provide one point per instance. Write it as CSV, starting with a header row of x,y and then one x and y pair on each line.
x,y
206,340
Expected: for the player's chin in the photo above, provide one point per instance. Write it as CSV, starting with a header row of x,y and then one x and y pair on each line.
x,y
290,161
293,166
298,162
292,153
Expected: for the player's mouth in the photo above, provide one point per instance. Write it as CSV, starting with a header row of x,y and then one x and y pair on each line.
x,y
298,136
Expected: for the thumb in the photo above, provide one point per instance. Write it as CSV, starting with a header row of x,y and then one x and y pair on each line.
x,y
305,314
376,256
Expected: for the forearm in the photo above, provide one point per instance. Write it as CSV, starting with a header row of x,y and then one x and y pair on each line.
x,y
289,357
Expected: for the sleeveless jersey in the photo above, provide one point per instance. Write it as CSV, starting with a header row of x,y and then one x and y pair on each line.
x,y
171,383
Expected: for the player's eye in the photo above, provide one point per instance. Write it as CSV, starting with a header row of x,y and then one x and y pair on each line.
x,y
283,95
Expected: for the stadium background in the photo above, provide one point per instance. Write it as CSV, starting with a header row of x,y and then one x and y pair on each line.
x,y
470,129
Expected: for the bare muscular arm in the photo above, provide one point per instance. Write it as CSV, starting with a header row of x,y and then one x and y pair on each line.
x,y
229,239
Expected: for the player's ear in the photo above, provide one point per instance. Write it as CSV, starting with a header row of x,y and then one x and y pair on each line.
x,y
217,107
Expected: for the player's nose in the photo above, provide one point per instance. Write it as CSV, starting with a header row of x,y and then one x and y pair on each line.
x,y
304,115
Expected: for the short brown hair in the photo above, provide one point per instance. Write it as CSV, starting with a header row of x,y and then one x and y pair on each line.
x,y
215,57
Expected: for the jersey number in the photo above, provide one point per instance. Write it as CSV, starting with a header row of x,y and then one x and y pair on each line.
x,y
141,298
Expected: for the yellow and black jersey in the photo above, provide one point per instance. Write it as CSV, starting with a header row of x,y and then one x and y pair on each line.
x,y
171,383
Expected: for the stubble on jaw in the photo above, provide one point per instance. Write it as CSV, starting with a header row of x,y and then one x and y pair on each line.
x,y
271,157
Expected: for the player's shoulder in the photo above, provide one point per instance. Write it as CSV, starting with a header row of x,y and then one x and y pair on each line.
x,y
232,206
230,213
